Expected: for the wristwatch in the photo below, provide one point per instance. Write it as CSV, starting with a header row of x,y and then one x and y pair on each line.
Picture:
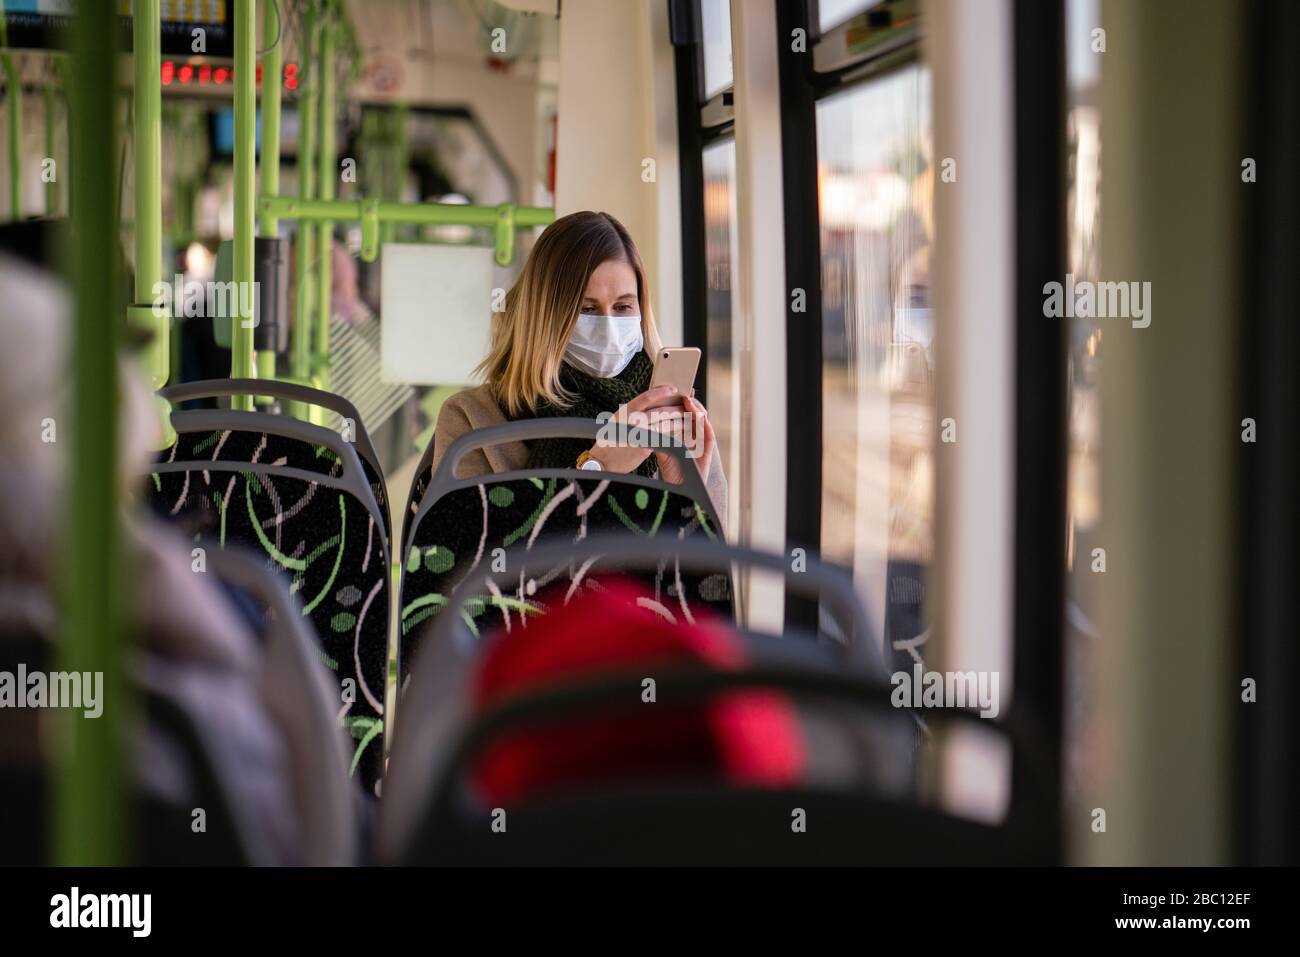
x,y
589,464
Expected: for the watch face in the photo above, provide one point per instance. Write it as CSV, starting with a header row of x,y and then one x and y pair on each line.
x,y
591,465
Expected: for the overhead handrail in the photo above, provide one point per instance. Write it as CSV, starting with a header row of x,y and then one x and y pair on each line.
x,y
504,218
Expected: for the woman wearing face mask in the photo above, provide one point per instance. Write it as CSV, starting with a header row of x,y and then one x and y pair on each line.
x,y
575,339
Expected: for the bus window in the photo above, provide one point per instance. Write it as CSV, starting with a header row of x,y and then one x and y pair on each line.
x,y
876,180
833,13
715,24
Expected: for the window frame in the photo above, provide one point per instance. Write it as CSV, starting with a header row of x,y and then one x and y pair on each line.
x,y
1040,401
1039,392
685,34
802,87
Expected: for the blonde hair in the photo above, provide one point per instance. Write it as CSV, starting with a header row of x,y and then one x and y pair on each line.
x,y
529,338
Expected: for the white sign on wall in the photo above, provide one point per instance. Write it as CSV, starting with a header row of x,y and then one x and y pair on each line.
x,y
437,308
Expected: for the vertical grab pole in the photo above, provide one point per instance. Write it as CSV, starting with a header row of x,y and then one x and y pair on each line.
x,y
327,175
300,361
147,134
382,145
401,156
14,108
268,223
245,160
89,802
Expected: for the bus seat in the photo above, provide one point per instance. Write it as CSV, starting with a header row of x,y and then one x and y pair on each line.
x,y
415,496
298,692
159,828
431,813
464,523
347,421
297,494
257,748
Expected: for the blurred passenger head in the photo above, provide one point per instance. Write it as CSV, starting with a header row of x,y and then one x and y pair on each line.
x,y
747,737
35,384
583,263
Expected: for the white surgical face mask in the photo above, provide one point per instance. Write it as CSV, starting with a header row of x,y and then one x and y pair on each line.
x,y
604,345
914,324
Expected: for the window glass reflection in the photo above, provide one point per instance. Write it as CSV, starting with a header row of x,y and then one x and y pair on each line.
x,y
876,182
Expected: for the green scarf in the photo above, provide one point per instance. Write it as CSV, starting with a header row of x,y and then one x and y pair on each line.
x,y
595,395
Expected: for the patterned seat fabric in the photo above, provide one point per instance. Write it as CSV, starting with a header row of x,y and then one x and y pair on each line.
x,y
323,538
237,445
477,524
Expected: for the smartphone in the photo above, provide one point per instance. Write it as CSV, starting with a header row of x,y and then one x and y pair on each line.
x,y
677,367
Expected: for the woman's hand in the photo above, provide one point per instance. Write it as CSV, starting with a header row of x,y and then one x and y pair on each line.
x,y
694,431
638,414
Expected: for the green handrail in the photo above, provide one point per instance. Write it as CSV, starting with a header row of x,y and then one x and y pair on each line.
x,y
245,163
89,796
505,218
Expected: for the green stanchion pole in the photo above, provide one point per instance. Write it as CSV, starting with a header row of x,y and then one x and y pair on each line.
x,y
268,225
272,28
400,155
300,355
245,162
146,112
89,797
328,174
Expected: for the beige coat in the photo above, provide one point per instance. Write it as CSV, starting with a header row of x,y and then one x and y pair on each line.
x,y
476,408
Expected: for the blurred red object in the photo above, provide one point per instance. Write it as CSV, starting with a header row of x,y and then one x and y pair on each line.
x,y
746,737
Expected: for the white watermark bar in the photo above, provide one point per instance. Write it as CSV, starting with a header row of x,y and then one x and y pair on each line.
x,y
639,432
1085,299
191,299
946,689
78,690
75,910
